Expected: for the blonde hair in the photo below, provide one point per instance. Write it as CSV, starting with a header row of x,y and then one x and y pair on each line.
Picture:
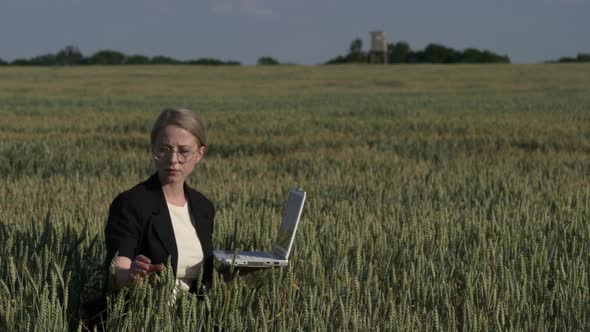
x,y
183,118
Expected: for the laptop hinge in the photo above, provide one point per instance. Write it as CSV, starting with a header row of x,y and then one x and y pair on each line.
x,y
278,252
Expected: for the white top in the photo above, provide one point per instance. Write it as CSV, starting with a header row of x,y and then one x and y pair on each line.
x,y
190,252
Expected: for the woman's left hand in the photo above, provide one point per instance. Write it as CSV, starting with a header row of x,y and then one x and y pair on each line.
x,y
141,267
128,272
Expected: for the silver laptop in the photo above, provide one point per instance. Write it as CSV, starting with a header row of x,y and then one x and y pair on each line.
x,y
282,247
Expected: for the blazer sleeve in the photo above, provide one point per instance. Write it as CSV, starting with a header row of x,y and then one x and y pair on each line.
x,y
212,216
208,262
123,230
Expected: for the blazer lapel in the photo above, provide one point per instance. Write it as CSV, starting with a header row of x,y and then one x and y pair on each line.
x,y
161,216
200,224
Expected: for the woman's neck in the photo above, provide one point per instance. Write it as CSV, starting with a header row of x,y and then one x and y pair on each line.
x,y
174,193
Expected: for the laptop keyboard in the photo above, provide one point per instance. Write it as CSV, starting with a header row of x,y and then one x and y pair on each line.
x,y
261,256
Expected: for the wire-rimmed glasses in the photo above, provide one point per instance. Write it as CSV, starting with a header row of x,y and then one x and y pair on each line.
x,y
165,152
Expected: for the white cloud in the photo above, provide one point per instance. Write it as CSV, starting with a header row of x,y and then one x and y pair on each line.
x,y
257,8
223,7
252,8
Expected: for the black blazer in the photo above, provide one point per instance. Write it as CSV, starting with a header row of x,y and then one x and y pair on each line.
x,y
139,223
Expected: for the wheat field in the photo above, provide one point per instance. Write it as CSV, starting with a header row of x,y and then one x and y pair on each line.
x,y
440,197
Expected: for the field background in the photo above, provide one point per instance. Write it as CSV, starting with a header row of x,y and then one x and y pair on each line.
x,y
439,197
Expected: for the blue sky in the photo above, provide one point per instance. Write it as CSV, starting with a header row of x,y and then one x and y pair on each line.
x,y
300,31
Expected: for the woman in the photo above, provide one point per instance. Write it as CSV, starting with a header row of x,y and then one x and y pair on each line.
x,y
163,217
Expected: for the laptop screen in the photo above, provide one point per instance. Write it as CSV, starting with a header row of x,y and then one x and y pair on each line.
x,y
291,215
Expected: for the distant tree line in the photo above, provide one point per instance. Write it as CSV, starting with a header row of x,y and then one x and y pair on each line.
x,y
71,56
581,57
401,52
267,60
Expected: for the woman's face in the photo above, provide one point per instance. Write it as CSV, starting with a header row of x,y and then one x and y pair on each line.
x,y
176,152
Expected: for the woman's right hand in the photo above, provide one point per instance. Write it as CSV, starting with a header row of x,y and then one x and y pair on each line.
x,y
128,272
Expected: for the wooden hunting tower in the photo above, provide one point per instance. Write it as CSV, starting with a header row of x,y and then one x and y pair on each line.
x,y
378,52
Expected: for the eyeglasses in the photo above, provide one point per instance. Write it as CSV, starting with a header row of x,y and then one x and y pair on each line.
x,y
164,152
